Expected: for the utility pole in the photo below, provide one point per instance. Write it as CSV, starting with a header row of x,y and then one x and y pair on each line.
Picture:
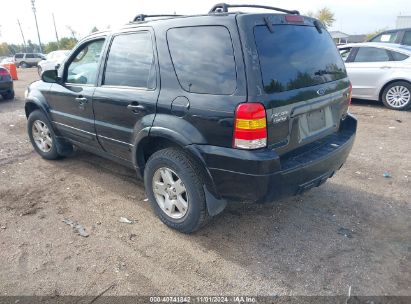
x,y
22,35
37,26
55,29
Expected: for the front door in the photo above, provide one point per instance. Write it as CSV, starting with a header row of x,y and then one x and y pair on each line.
x,y
70,102
125,103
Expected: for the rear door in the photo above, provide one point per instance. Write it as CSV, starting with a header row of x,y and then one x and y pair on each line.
x,y
366,69
295,70
125,102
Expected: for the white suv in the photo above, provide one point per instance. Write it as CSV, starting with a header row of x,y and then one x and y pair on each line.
x,y
25,60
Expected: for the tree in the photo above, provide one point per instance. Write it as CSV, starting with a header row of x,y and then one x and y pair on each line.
x,y
325,15
50,47
67,43
94,29
375,33
72,31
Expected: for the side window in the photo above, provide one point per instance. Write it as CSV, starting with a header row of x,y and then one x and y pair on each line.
x,y
30,56
386,37
406,40
131,61
84,66
371,54
398,56
203,59
345,53
18,56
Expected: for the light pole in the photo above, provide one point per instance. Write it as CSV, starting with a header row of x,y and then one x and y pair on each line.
x,y
37,26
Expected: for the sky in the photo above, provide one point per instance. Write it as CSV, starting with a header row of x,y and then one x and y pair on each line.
x,y
352,16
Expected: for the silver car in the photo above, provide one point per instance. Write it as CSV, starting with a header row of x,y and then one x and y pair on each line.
x,y
379,71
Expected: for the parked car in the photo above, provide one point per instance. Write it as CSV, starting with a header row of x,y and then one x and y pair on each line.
x,y
399,36
7,60
26,60
6,84
380,71
53,59
207,108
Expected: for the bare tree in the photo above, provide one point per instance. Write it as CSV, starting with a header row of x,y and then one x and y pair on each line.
x,y
72,31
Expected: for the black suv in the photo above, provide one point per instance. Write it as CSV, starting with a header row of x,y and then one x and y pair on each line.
x,y
207,108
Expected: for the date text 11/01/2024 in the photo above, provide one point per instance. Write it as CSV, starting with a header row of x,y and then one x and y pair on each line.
x,y
203,299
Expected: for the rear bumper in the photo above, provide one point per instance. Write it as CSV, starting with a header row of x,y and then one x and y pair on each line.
x,y
262,176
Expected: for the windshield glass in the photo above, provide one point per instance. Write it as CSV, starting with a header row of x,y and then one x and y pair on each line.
x,y
293,57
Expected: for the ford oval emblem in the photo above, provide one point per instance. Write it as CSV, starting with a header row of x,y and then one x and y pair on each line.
x,y
321,92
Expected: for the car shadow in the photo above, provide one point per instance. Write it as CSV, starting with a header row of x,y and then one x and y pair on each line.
x,y
334,235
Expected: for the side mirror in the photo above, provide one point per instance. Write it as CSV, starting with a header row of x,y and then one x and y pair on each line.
x,y
49,76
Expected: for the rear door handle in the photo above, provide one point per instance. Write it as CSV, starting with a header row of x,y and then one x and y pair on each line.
x,y
385,67
135,107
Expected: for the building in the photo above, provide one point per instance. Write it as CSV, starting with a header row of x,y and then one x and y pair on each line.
x,y
343,38
339,37
403,22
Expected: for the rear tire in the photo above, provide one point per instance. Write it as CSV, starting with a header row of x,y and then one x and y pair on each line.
x,y
181,185
397,96
8,96
42,136
23,65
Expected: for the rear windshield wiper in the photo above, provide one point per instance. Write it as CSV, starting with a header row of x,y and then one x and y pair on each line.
x,y
269,24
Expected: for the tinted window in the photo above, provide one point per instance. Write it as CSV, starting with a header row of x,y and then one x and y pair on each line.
x,y
18,56
386,37
294,57
398,56
371,54
83,67
203,59
131,61
407,38
30,56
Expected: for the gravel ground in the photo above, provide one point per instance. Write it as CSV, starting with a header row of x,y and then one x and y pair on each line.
x,y
354,231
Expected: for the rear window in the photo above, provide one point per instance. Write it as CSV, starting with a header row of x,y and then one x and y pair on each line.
x,y
18,56
203,59
294,57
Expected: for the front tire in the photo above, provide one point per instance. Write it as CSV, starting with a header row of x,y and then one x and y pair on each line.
x,y
175,190
397,96
42,136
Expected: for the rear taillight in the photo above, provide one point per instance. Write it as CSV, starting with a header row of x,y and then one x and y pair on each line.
x,y
250,126
350,94
4,72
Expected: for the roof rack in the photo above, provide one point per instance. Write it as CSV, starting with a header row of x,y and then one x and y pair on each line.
x,y
223,8
143,17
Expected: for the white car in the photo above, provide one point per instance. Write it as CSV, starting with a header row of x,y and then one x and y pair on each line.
x,y
379,71
52,60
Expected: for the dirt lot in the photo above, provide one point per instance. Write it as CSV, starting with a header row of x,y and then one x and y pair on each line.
x,y
290,248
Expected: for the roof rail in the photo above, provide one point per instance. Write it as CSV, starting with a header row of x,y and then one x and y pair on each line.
x,y
143,17
223,8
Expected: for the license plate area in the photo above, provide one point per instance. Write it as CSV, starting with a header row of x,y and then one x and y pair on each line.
x,y
314,123
316,120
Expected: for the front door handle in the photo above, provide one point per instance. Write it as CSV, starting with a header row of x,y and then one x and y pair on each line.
x,y
135,107
385,67
81,99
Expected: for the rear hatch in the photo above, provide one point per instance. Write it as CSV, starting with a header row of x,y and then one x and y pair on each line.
x,y
295,70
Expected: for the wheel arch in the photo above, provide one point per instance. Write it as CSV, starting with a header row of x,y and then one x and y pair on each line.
x,y
155,141
389,83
